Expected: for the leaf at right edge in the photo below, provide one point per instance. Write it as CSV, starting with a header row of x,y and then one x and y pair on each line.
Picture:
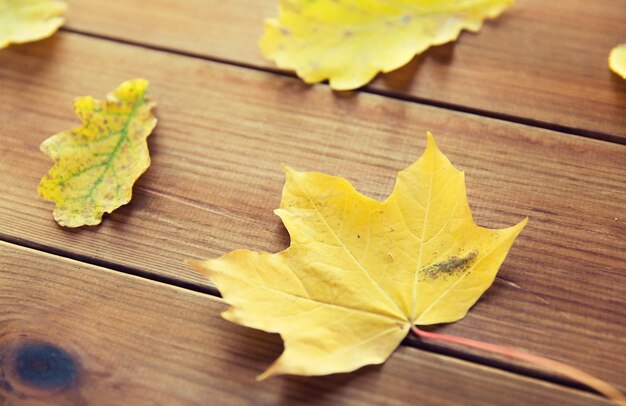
x,y
97,163
617,60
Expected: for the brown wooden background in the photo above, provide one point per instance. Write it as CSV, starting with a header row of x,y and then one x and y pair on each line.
x,y
528,108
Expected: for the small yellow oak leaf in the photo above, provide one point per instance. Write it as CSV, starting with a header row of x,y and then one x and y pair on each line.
x,y
29,20
349,41
97,163
617,60
360,273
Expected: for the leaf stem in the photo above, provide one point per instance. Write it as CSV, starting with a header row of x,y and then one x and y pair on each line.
x,y
573,373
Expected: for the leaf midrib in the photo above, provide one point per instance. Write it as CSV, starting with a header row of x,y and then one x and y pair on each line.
x,y
122,138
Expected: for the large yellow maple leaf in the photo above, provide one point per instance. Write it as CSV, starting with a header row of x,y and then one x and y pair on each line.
x,y
29,20
349,41
97,163
617,60
360,273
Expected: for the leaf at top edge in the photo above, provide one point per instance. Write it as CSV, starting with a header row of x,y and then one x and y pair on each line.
x,y
359,273
617,60
97,163
29,20
349,41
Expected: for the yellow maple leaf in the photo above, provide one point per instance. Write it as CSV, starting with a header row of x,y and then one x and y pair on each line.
x,y
360,273
350,41
97,163
617,60
29,20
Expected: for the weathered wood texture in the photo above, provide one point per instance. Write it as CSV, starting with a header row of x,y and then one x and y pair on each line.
x,y
541,61
79,334
216,178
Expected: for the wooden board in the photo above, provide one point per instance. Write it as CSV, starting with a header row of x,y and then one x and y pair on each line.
x,y
542,62
79,334
216,178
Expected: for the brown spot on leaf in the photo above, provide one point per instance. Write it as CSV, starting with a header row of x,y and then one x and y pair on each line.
x,y
453,266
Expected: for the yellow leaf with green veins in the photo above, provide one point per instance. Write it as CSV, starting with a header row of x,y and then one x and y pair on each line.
x,y
360,273
97,163
349,41
29,20
617,60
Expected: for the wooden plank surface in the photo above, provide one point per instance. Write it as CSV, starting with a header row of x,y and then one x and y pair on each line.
x,y
542,61
216,178
78,334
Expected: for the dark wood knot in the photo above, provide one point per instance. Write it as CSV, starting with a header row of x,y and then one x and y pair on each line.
x,y
44,366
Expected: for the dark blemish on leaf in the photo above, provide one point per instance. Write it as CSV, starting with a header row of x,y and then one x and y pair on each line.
x,y
285,31
45,366
358,236
452,267
406,19
347,33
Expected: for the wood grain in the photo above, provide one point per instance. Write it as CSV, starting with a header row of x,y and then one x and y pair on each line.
x,y
216,178
132,341
543,62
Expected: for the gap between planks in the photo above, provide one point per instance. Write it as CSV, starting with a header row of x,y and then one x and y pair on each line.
x,y
579,132
112,266
409,341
